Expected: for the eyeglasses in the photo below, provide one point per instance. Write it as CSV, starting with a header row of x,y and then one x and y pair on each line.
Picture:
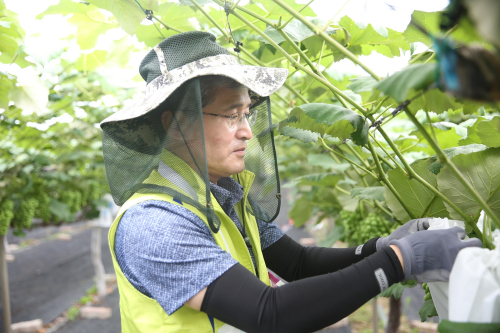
x,y
236,119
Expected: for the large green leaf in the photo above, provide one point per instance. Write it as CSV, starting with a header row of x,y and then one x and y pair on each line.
x,y
430,22
472,135
437,101
177,16
367,40
316,179
481,170
65,7
374,193
328,119
91,61
150,35
5,86
127,12
301,211
334,235
89,27
452,152
427,310
299,134
489,132
416,77
296,30
30,94
362,83
418,198
446,137
327,162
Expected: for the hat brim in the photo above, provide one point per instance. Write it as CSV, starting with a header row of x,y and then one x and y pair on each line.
x,y
261,81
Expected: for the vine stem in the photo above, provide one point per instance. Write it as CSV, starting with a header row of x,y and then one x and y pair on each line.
x,y
382,178
291,18
309,62
326,37
294,62
250,55
387,153
443,159
375,201
347,159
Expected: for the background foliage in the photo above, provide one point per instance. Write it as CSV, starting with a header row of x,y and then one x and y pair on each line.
x,y
371,152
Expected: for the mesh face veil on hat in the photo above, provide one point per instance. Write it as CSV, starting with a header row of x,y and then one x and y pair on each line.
x,y
142,156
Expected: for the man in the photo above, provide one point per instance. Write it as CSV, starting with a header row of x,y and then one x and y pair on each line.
x,y
194,167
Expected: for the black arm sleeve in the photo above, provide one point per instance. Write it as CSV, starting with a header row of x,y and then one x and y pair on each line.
x,y
292,261
238,298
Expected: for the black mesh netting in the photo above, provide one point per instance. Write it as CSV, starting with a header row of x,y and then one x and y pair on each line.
x,y
164,152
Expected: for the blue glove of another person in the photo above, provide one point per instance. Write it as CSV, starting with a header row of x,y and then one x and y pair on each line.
x,y
407,229
429,256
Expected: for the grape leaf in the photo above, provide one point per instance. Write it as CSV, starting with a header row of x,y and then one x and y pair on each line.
x,y
374,192
427,310
482,171
489,132
437,101
362,83
30,94
89,62
418,198
334,235
396,290
127,12
296,30
328,119
327,162
5,86
299,134
454,151
89,29
316,179
472,136
447,138
301,211
65,7
416,77
61,210
430,22
365,41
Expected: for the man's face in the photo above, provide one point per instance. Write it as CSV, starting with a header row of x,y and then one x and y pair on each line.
x,y
225,147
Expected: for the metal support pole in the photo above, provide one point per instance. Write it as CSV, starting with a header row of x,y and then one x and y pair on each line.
x,y
5,286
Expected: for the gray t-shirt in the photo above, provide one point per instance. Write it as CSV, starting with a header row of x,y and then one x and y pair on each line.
x,y
168,253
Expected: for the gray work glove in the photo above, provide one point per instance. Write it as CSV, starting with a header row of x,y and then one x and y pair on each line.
x,y
429,256
407,229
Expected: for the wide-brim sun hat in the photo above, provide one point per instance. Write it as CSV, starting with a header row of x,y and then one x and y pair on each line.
x,y
196,54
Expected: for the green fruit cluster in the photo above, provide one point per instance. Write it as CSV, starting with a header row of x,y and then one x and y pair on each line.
x,y
73,199
40,194
428,295
25,213
359,231
6,215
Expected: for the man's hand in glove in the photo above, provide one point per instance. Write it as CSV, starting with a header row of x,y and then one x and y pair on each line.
x,y
407,229
429,256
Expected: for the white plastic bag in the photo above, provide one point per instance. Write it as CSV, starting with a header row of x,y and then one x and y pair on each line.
x,y
475,286
439,290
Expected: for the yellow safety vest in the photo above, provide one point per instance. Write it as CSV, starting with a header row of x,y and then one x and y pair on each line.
x,y
140,313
